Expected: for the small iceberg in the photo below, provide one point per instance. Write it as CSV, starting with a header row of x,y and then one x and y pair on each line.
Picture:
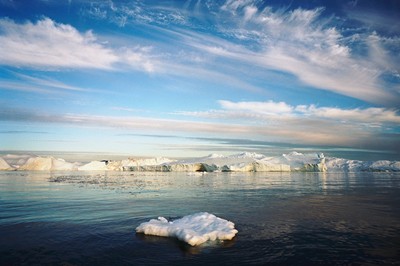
x,y
193,229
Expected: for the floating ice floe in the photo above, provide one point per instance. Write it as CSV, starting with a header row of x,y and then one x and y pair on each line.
x,y
193,229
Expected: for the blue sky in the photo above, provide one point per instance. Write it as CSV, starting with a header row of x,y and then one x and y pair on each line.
x,y
189,78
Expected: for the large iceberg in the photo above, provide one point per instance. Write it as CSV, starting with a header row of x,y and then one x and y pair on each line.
x,y
242,162
343,165
16,160
48,164
194,229
4,165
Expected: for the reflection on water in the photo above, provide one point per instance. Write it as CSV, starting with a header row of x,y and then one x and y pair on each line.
x,y
283,218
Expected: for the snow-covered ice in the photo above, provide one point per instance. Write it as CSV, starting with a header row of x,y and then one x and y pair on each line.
x,y
194,229
94,166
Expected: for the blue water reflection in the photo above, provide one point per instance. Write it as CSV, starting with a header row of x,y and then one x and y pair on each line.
x,y
283,218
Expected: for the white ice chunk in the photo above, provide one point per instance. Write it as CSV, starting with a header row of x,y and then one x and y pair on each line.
x,y
194,229
94,166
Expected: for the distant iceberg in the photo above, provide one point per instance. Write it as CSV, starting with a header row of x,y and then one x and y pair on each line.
x,y
194,229
242,162
4,165
48,164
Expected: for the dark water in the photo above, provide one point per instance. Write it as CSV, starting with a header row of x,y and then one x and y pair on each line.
x,y
297,219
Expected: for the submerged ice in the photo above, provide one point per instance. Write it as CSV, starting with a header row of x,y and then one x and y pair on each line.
x,y
242,162
194,229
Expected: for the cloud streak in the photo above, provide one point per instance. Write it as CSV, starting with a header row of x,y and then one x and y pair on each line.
x,y
41,85
282,109
290,129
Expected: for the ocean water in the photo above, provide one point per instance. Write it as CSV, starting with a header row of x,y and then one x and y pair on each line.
x,y
89,218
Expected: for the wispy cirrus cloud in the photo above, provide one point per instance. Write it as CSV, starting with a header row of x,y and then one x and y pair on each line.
x,y
306,45
126,13
17,86
41,85
302,42
247,34
50,83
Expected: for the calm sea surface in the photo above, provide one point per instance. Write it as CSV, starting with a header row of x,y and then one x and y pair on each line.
x,y
89,218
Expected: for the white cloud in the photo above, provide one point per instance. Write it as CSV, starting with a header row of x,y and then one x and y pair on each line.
x,y
50,45
269,107
139,59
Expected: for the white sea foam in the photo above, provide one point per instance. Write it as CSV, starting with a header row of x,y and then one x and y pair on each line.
x,y
194,229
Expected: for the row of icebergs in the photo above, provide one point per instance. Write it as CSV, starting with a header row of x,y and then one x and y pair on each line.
x,y
242,162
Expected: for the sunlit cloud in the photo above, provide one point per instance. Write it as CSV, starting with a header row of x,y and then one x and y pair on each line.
x,y
268,107
281,111
307,123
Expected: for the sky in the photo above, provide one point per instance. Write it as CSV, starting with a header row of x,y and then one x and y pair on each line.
x,y
190,78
